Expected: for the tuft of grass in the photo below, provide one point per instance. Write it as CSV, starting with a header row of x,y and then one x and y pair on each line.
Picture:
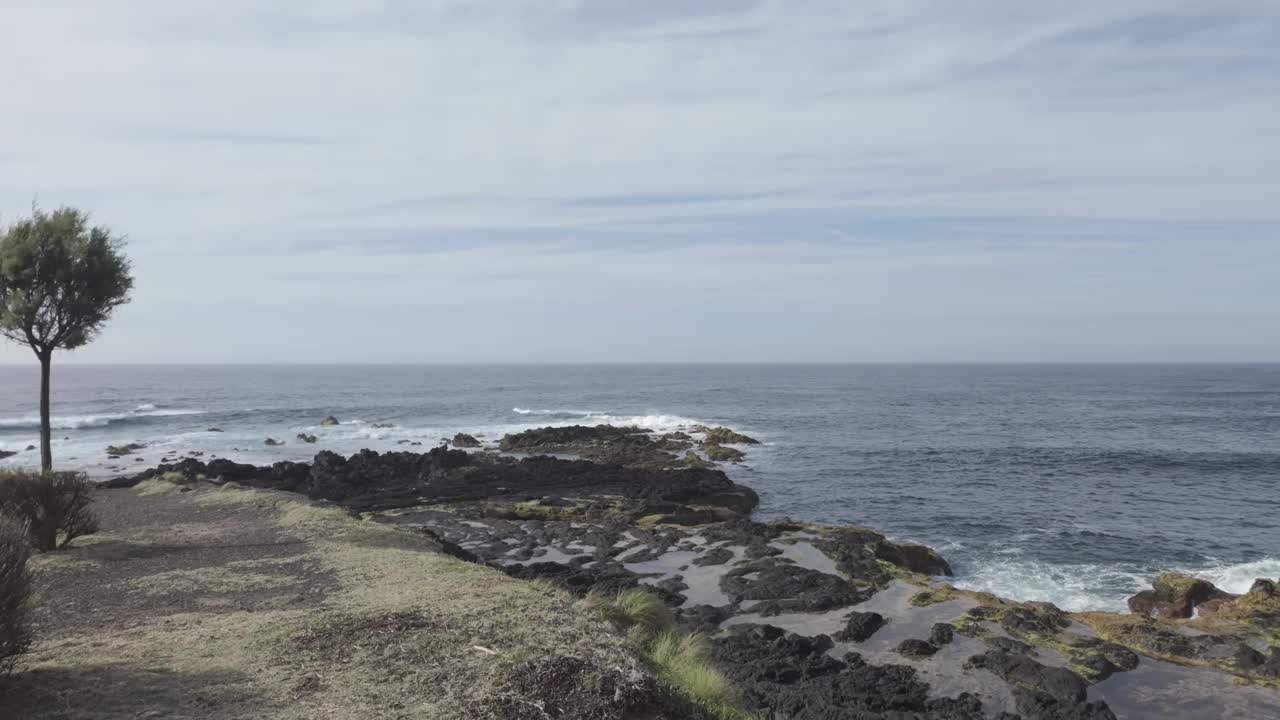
x,y
680,661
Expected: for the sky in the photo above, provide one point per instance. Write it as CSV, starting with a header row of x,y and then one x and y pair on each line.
x,y
661,180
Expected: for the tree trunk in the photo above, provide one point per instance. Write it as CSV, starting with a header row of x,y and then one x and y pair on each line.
x,y
46,445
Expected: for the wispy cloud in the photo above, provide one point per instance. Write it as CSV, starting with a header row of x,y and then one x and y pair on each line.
x,y
350,139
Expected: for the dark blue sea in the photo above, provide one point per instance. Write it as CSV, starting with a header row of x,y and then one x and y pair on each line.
x,y
1074,484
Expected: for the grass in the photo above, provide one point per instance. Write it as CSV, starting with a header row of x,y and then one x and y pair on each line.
x,y
386,627
679,660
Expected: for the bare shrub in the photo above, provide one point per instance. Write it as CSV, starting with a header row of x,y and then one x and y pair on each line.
x,y
15,591
54,506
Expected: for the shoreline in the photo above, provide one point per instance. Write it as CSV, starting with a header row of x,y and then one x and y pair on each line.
x,y
685,532
1023,578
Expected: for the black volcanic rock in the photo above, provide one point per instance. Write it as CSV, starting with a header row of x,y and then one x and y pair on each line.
x,y
785,587
463,440
914,648
370,480
860,626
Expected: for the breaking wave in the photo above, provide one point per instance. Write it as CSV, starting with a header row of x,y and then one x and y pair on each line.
x,y
1080,587
76,422
1238,577
658,422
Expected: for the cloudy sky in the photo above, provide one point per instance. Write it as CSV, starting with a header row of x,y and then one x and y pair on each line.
x,y
463,180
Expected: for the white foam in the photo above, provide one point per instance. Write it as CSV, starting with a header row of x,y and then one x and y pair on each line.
x,y
77,422
658,422
1238,578
1096,587
1071,587
557,413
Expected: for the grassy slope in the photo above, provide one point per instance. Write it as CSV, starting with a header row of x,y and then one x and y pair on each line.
x,y
355,620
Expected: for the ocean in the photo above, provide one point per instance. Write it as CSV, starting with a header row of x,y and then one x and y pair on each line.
x,y
1074,484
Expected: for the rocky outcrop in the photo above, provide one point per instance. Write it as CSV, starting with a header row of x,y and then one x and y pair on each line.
x,y
370,480
916,558
556,439
723,436
463,440
720,453
1042,691
1175,596
784,675
785,587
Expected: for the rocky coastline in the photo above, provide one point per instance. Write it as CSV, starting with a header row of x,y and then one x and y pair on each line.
x,y
808,621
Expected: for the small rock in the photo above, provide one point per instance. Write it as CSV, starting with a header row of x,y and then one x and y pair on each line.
x,y
1009,645
272,442
1176,596
214,430
464,440
306,438
913,648
33,447
714,556
720,453
860,626
941,634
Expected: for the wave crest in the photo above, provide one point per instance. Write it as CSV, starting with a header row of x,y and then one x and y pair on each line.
x,y
658,422
77,422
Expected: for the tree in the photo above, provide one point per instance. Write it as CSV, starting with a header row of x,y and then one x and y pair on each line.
x,y
60,281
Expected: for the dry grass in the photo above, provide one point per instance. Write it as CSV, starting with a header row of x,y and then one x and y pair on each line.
x,y
401,632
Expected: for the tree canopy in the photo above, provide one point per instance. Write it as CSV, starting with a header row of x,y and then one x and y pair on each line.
x,y
60,280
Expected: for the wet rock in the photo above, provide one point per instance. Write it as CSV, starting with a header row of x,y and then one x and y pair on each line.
x,y
1259,607
673,587
214,429
860,626
714,556
915,649
309,439
783,675
29,448
1034,619
382,425
705,619
463,440
785,587
1175,596
941,634
1097,659
771,654
694,460
1020,670
916,558
329,421
272,442
723,436
1009,645
720,453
